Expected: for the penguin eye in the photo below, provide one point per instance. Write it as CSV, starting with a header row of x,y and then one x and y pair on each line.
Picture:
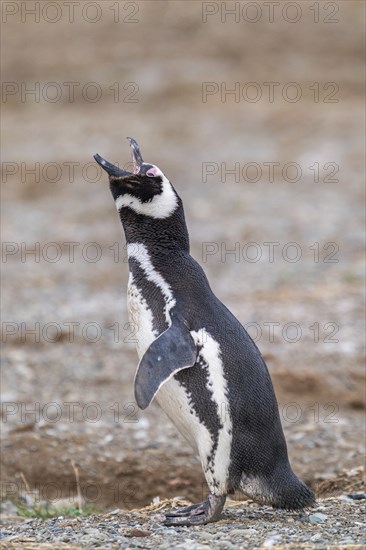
x,y
150,174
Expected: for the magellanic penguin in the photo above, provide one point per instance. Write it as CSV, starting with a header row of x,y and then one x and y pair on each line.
x,y
196,359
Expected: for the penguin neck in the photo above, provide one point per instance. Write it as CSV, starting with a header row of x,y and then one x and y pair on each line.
x,y
161,237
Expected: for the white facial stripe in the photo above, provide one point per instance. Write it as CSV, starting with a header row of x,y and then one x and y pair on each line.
x,y
139,252
217,385
161,206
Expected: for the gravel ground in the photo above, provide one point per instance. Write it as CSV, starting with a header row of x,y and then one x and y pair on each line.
x,y
336,523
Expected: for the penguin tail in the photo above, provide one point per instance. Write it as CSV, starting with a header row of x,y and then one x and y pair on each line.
x,y
282,490
295,496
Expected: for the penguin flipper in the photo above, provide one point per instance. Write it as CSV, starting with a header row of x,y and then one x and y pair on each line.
x,y
172,351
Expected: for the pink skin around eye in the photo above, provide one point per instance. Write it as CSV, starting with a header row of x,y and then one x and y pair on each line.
x,y
153,172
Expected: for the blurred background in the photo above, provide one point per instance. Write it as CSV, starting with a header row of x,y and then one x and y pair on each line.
x,y
255,113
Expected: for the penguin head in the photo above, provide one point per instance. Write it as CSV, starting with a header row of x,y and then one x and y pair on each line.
x,y
146,190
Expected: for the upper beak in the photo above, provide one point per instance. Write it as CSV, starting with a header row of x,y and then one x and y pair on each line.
x,y
136,155
111,169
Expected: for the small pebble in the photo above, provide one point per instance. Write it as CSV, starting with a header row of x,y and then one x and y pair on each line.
x,y
316,538
272,541
318,518
138,533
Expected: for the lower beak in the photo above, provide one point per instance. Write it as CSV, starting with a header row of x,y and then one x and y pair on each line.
x,y
110,168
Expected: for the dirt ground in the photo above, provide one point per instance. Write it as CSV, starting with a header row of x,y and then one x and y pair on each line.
x,y
68,352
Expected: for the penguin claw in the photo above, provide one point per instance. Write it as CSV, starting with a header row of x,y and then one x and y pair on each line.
x,y
197,514
186,511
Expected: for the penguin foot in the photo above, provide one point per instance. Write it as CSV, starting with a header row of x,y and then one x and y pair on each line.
x,y
197,514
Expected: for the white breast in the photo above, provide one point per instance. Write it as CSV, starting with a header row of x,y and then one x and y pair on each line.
x,y
172,397
140,315
176,403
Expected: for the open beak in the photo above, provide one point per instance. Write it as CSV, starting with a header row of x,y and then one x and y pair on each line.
x,y
113,170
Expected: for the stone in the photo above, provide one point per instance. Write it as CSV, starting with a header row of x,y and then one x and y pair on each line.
x,y
138,533
318,518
